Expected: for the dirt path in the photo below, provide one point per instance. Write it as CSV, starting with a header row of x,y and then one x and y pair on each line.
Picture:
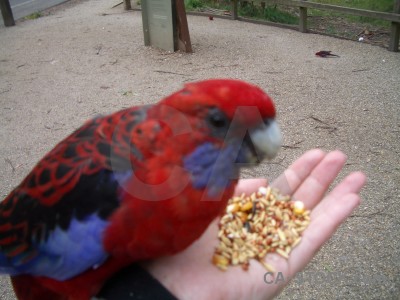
x,y
87,59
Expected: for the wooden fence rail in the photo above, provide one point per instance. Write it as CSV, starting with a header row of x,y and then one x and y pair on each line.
x,y
303,5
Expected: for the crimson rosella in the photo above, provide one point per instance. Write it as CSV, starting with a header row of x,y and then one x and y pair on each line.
x,y
140,183
325,54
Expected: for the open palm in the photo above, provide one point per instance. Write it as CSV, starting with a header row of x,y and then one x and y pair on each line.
x,y
190,274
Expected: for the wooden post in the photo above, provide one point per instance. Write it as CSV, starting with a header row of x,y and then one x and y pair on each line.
x,y
145,22
395,30
7,13
127,5
234,9
184,43
303,19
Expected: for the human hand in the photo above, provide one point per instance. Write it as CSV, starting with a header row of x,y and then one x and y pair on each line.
x,y
190,274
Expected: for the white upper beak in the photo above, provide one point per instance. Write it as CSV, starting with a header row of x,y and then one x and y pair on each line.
x,y
267,139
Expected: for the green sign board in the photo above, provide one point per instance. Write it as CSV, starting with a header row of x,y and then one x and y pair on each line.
x,y
159,24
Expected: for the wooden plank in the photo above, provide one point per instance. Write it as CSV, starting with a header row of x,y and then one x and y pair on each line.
x,y
145,22
6,12
206,14
259,3
393,17
303,20
234,9
184,43
269,23
394,37
395,30
127,5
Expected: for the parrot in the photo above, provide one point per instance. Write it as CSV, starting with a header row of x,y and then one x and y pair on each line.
x,y
325,54
138,184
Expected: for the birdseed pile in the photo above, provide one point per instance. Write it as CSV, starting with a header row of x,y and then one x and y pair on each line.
x,y
254,225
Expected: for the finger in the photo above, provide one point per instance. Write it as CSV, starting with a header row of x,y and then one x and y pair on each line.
x,y
292,178
249,186
314,187
352,184
321,229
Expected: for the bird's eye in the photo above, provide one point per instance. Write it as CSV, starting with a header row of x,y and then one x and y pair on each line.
x,y
217,119
267,122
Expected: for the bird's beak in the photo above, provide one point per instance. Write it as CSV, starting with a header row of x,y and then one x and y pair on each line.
x,y
266,139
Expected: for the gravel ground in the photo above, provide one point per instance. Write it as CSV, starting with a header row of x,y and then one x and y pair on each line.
x,y
88,58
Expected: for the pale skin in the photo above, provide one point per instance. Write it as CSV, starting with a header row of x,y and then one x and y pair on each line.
x,y
190,274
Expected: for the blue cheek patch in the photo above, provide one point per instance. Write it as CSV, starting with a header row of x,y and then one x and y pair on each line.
x,y
213,168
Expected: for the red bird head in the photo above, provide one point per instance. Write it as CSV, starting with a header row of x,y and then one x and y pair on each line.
x,y
228,110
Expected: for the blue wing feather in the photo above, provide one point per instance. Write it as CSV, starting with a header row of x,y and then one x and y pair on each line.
x,y
65,253
70,239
